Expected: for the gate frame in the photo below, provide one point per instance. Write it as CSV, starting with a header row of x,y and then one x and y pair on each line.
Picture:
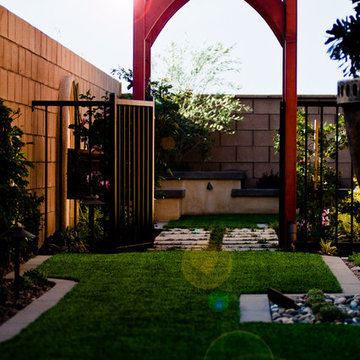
x,y
142,227
150,17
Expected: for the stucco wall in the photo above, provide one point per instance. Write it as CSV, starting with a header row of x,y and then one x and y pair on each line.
x,y
32,66
251,148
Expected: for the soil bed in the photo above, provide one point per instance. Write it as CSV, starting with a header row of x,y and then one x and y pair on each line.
x,y
26,296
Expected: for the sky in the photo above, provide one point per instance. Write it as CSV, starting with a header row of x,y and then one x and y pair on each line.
x,y
101,32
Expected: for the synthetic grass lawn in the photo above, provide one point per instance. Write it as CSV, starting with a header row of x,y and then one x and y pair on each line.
x,y
141,306
223,220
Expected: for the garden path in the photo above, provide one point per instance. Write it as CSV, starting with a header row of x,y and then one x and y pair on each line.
x,y
234,239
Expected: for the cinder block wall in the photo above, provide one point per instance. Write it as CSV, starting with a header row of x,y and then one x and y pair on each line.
x,y
251,147
32,66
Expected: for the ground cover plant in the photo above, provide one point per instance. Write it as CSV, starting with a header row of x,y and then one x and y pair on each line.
x,y
150,306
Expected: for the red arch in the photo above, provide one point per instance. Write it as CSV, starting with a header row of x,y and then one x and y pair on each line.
x,y
150,17
160,13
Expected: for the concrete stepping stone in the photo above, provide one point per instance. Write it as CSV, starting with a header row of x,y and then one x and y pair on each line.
x,y
182,239
250,239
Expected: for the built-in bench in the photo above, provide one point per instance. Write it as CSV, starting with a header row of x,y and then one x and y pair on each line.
x,y
169,193
255,193
211,192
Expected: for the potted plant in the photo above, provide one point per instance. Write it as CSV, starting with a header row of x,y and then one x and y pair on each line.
x,y
344,43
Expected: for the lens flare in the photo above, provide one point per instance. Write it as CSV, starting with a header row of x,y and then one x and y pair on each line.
x,y
218,301
206,269
239,345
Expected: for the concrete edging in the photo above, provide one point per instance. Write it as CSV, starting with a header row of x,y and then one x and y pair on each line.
x,y
31,312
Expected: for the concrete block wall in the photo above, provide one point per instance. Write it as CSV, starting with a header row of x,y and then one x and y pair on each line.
x,y
32,66
251,147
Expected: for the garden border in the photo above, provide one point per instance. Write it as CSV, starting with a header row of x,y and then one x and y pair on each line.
x,y
31,312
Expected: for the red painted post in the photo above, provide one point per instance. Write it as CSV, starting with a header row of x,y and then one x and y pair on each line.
x,y
139,50
290,98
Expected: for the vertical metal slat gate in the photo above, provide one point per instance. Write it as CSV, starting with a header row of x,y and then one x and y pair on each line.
x,y
133,172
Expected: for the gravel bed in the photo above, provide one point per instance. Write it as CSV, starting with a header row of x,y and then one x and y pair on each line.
x,y
355,269
348,304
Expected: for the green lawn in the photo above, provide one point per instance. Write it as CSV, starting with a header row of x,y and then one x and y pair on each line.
x,y
223,221
142,306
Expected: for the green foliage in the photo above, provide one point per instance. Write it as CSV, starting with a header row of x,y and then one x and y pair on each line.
x,y
69,240
35,276
319,200
355,257
76,240
326,248
349,214
344,38
324,311
98,138
205,69
17,204
315,296
175,135
216,236
185,115
330,312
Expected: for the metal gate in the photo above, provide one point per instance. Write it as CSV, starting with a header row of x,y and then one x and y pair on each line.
x,y
129,156
325,197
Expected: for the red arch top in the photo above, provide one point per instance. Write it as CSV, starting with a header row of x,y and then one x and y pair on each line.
x,y
159,12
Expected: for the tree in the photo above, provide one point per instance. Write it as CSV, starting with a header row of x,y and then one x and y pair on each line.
x,y
345,42
204,70
185,114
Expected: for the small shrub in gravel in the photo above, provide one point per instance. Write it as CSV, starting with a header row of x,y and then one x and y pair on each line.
x,y
315,296
329,312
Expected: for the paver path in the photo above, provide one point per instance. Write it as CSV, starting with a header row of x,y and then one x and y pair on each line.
x,y
250,239
182,239
234,239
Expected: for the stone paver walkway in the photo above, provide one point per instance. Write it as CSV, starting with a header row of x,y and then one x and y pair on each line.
x,y
234,239
182,239
250,239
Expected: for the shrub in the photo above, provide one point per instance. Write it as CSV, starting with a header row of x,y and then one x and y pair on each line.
x,y
355,257
315,296
68,241
329,312
326,248
35,276
17,203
